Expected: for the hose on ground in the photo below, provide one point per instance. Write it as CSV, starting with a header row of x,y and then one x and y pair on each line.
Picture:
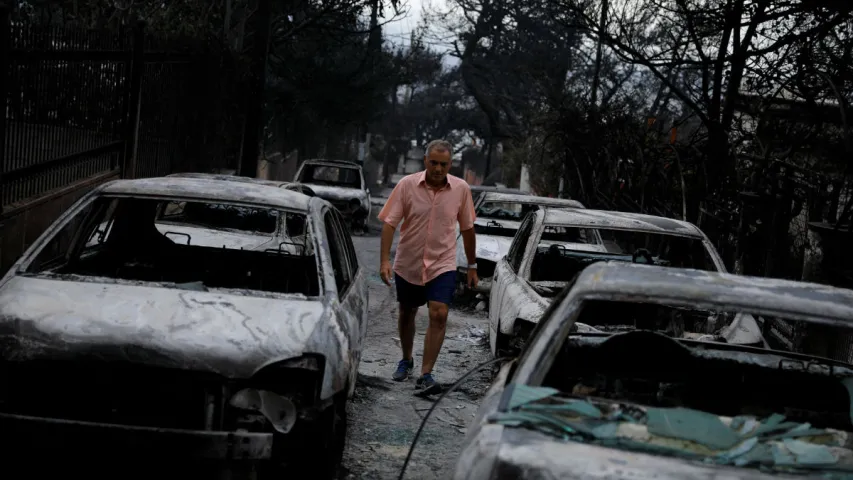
x,y
438,400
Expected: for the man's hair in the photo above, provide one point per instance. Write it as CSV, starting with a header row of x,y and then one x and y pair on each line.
x,y
438,145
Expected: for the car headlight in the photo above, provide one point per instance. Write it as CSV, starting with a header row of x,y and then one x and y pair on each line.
x,y
279,392
278,410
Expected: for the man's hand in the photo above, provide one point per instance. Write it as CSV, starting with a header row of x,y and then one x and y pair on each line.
x,y
473,279
385,272
469,241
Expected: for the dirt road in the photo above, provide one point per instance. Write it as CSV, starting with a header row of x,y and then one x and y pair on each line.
x,y
384,415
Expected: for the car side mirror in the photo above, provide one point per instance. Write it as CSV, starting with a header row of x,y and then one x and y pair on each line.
x,y
367,190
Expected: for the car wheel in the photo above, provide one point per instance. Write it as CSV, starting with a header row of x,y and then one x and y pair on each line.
x,y
323,446
502,344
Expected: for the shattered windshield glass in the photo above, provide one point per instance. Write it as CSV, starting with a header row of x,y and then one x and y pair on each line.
x,y
771,443
718,387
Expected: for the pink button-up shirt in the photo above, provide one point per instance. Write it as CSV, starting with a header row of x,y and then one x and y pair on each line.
x,y
427,246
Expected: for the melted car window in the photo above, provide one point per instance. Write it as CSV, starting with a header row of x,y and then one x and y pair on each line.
x,y
220,216
331,175
177,243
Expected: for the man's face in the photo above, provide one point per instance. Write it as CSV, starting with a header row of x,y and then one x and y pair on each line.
x,y
437,164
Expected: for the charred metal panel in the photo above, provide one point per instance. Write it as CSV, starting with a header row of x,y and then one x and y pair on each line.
x,y
529,199
69,436
209,190
621,220
228,332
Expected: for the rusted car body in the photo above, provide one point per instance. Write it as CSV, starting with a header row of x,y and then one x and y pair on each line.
x,y
644,403
342,184
175,348
554,245
499,215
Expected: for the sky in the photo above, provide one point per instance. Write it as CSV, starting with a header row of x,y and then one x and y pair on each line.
x,y
398,31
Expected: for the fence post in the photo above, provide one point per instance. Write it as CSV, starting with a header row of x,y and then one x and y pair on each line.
x,y
5,64
137,66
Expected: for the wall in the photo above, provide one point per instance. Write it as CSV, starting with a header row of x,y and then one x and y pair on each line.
x,y
277,167
22,224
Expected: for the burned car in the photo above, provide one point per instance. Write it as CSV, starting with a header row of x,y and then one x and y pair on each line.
x,y
554,245
647,402
296,187
499,215
478,191
136,321
342,184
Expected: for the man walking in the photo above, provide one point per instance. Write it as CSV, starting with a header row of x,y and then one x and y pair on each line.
x,y
429,203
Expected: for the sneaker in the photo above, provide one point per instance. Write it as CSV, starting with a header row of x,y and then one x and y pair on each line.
x,y
404,370
427,386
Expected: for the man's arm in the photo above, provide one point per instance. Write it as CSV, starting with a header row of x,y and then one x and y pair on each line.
x,y
466,219
385,244
469,241
391,215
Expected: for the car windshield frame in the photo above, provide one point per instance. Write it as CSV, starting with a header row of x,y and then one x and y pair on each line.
x,y
315,181
711,263
88,212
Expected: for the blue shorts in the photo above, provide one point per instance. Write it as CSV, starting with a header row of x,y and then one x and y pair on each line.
x,y
439,289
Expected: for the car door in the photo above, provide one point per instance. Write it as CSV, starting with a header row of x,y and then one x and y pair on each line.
x,y
506,274
351,288
357,300
515,283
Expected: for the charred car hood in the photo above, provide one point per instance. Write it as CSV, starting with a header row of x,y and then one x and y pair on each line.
x,y
492,248
489,247
327,192
231,335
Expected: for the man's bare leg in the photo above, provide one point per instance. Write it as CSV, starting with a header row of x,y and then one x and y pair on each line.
x,y
434,337
406,328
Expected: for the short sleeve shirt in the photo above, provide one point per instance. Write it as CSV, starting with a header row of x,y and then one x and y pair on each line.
x,y
427,246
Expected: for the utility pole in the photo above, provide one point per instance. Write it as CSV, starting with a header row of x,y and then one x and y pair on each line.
x,y
251,147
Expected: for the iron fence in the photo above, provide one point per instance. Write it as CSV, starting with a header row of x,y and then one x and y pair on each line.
x,y
65,94
81,103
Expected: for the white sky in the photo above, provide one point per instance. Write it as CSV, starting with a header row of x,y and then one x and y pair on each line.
x,y
398,31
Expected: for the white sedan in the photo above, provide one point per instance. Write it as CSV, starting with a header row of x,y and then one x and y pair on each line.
x,y
553,245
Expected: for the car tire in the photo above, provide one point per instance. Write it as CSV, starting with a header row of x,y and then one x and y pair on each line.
x,y
323,448
501,343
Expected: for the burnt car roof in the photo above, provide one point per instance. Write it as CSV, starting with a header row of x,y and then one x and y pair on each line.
x,y
487,188
527,198
229,178
210,189
620,220
715,289
342,163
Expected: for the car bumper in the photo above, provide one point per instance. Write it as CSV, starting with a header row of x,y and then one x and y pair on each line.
x,y
122,440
